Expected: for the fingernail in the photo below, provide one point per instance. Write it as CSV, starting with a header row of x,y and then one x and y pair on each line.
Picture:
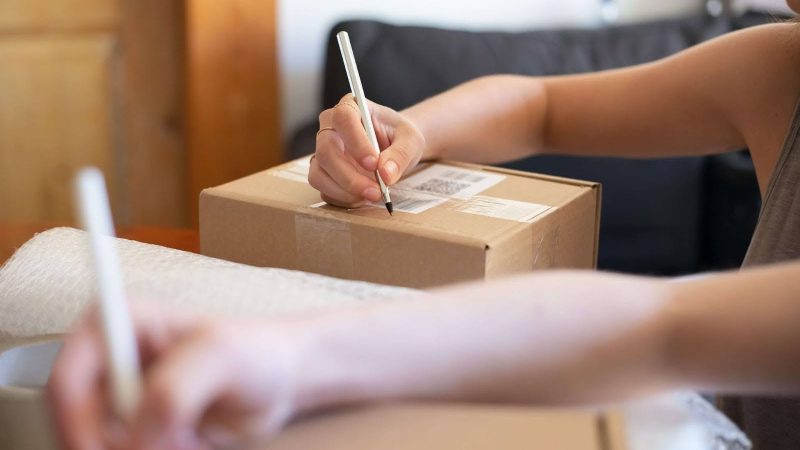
x,y
372,194
390,167
370,162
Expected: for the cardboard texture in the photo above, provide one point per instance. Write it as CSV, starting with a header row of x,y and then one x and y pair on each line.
x,y
449,426
486,222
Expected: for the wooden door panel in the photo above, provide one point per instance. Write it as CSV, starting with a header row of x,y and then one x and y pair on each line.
x,y
56,110
92,82
106,82
32,15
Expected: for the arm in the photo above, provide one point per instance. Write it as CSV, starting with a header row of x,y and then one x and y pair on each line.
x,y
738,332
563,338
706,99
569,338
736,91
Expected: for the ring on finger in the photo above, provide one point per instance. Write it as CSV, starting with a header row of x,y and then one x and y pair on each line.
x,y
325,129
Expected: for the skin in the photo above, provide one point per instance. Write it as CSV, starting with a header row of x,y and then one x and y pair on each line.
x,y
531,339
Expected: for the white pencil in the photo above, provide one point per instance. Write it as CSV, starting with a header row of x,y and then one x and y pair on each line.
x,y
121,350
361,99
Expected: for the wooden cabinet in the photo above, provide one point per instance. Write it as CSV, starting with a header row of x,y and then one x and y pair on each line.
x,y
38,16
56,113
111,83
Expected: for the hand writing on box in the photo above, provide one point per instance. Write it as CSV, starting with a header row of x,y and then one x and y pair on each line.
x,y
344,163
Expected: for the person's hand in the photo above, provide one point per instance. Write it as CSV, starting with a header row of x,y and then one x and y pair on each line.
x,y
206,384
343,167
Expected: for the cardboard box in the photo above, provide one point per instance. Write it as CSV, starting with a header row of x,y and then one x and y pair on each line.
x,y
456,426
453,222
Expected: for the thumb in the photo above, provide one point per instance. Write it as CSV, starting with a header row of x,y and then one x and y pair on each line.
x,y
402,155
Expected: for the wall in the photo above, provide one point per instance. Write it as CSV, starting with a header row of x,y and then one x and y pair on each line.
x,y
776,6
304,24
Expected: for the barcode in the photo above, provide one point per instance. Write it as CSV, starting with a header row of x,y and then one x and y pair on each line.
x,y
450,182
442,187
413,205
471,177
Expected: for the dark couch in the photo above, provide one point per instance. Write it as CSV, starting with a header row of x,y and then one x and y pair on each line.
x,y
660,216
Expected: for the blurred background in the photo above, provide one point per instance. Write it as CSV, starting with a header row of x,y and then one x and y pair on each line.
x,y
171,96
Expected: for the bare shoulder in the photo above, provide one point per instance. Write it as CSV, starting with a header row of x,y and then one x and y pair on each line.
x,y
754,75
735,91
763,64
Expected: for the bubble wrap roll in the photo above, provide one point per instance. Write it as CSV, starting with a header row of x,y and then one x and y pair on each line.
x,y
47,284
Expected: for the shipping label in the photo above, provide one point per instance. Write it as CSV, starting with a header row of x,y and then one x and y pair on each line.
x,y
450,182
501,208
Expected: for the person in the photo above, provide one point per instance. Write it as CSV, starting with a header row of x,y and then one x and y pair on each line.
x,y
546,338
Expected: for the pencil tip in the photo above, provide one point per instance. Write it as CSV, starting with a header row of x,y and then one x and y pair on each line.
x,y
390,208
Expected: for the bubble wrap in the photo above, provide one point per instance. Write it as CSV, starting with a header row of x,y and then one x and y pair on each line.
x,y
48,282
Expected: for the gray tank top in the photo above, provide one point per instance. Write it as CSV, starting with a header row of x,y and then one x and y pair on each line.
x,y
774,424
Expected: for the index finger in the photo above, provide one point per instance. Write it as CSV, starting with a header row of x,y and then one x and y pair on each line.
x,y
73,390
347,122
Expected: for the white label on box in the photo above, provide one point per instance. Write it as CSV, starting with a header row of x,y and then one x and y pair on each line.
x,y
450,182
430,188
409,202
295,171
412,202
503,209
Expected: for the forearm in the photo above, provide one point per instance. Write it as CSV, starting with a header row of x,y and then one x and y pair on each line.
x,y
739,332
567,338
678,106
563,338
487,120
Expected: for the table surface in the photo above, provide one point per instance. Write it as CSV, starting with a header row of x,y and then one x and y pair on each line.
x,y
13,235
